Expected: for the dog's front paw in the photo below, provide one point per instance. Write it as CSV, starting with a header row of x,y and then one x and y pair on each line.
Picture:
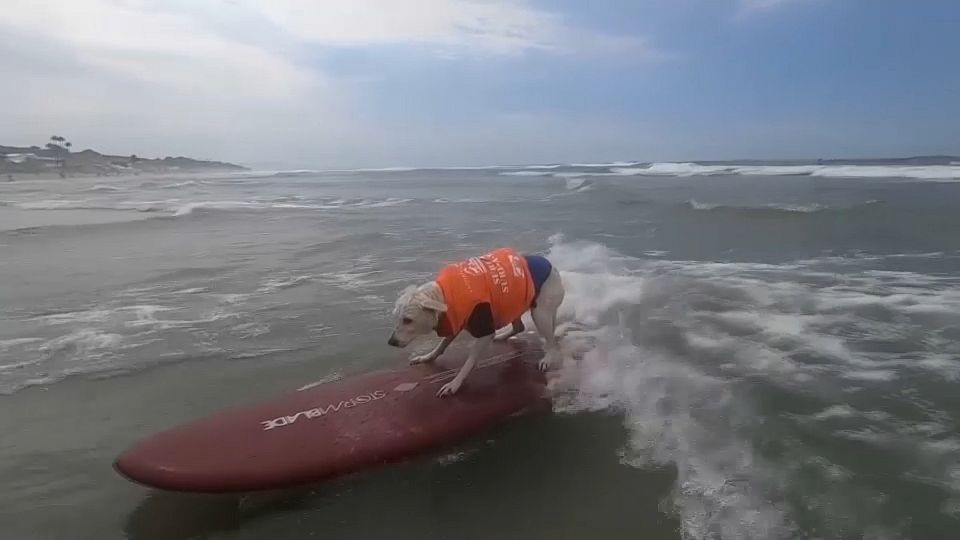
x,y
544,364
422,359
449,389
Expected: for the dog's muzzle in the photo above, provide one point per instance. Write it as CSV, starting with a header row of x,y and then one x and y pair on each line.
x,y
393,342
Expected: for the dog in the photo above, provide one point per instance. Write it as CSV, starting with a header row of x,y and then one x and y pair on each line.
x,y
481,295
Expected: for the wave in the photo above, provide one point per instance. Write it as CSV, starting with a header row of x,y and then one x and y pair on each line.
x,y
184,209
280,283
179,207
16,342
526,173
53,204
610,164
386,169
177,185
293,173
486,167
948,172
579,184
688,351
943,173
104,188
772,207
926,172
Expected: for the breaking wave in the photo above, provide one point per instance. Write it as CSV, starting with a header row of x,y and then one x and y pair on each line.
x,y
179,207
775,207
942,173
579,184
105,188
527,173
926,172
689,351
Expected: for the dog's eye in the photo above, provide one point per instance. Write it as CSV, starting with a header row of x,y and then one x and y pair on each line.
x,y
406,320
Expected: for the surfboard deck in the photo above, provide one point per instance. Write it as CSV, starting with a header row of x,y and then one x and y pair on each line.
x,y
339,427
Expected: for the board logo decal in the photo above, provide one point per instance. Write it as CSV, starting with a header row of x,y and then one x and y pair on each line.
x,y
317,412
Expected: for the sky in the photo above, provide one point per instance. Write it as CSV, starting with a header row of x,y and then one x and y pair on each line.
x,y
371,83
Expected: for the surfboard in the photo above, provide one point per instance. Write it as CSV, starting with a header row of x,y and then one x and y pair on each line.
x,y
330,429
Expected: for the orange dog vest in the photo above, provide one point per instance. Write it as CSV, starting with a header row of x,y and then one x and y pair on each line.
x,y
500,278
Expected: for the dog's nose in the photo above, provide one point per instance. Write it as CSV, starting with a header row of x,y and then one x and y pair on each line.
x,y
393,342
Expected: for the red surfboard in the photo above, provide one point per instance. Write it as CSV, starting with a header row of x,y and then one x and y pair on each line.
x,y
339,427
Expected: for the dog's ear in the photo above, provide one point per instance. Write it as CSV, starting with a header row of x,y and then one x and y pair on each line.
x,y
431,299
433,304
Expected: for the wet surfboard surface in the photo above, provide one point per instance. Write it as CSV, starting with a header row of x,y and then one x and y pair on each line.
x,y
340,427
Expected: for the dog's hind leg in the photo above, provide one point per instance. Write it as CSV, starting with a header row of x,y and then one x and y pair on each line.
x,y
515,328
545,317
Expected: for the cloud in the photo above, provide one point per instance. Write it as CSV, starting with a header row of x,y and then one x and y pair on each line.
x,y
164,48
447,26
239,79
140,77
495,27
753,7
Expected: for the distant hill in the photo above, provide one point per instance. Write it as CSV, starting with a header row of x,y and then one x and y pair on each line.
x,y
34,159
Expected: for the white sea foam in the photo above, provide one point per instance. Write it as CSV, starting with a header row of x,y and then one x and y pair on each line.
x,y
871,375
836,411
949,172
924,172
107,188
526,173
669,345
53,204
384,203
87,343
189,208
799,208
6,344
702,206
351,280
144,315
676,414
177,185
578,184
180,207
279,283
250,329
944,365
190,290
610,164
82,316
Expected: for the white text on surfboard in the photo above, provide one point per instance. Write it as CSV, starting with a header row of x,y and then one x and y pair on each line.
x,y
320,411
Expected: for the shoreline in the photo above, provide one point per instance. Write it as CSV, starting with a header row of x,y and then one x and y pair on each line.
x,y
44,176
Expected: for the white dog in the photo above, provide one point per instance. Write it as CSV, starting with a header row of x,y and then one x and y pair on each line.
x,y
481,295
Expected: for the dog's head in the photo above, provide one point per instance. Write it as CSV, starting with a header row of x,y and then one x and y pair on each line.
x,y
416,313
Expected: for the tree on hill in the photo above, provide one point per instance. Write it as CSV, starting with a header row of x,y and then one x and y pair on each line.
x,y
60,147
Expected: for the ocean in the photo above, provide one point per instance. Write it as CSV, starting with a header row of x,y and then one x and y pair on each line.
x,y
754,350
